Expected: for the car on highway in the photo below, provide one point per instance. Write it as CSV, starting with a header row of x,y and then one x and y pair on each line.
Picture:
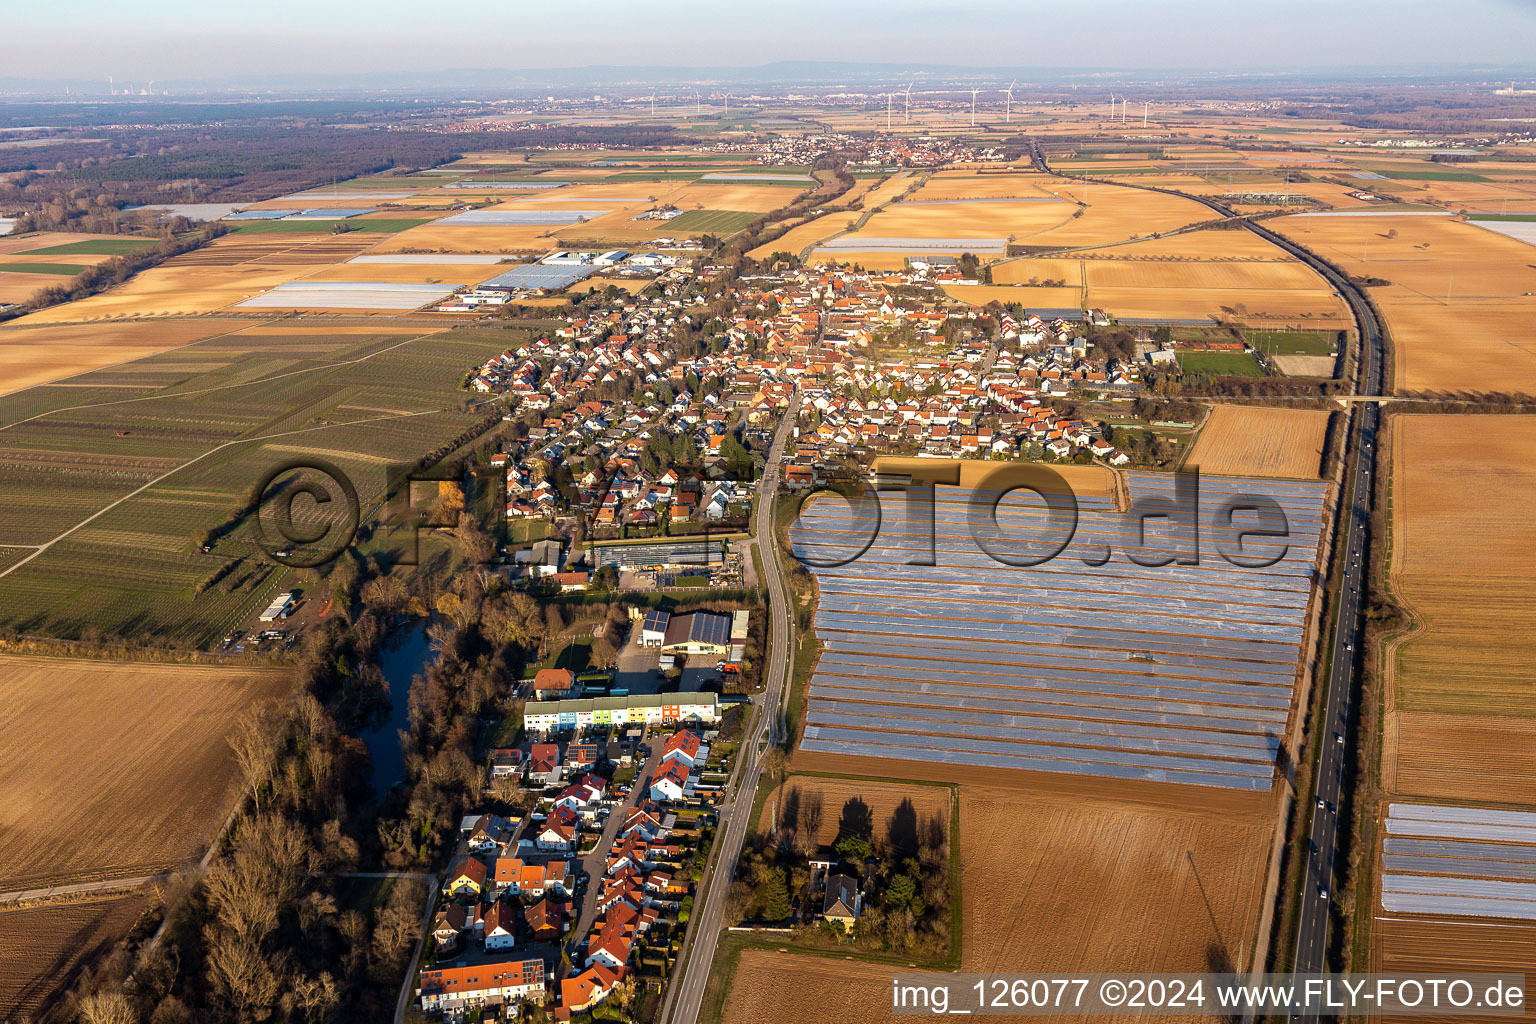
x,y
1322,891
1338,738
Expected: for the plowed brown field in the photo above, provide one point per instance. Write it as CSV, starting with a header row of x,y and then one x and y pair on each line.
x,y
134,754
41,948
1440,948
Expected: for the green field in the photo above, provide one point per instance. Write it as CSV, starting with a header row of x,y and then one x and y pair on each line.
x,y
715,222
658,175
63,269
93,247
1427,175
1220,364
278,227
202,438
1293,343
1509,217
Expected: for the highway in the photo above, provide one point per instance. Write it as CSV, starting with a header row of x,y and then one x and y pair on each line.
x,y
685,994
1334,736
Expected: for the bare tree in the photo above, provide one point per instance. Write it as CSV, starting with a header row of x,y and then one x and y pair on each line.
x,y
256,741
107,1008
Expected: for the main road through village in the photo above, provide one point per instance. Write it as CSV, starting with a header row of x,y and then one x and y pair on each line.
x,y
685,996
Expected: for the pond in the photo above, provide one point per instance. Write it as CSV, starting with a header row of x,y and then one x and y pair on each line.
x,y
407,654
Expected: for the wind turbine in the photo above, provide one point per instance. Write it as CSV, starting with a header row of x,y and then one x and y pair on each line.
x,y
727,103
1008,109
1111,106
888,97
908,95
653,104
1144,106
973,106
698,104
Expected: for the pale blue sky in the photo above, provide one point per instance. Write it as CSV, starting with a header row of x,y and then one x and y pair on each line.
x,y
169,39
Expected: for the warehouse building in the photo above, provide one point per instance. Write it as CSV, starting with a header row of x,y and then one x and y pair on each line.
x,y
698,633
649,708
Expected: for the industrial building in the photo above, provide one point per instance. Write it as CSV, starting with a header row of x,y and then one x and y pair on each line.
x,y
698,633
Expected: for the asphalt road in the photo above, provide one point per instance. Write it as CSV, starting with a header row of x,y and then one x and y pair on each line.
x,y
685,995
1313,921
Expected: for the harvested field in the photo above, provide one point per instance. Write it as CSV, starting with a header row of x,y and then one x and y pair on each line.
x,y
42,948
1115,884
1440,948
1458,302
1227,274
32,356
806,800
1240,440
1460,714
137,750
788,988
1086,481
21,287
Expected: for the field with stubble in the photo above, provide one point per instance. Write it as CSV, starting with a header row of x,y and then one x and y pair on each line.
x,y
1457,302
793,988
42,947
1110,884
135,754
1241,440
1442,948
1460,715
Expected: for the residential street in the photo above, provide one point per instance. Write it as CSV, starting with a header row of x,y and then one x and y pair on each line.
x,y
596,862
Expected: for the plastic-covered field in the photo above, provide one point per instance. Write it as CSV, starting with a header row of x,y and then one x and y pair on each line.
x,y
1087,663
1463,861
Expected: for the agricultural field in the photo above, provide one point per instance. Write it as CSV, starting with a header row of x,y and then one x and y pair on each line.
x,y
190,431
831,797
1117,884
770,987
1458,301
138,750
1227,275
225,271
43,947
1243,440
53,244
37,355
21,287
1459,716
1428,947
913,669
